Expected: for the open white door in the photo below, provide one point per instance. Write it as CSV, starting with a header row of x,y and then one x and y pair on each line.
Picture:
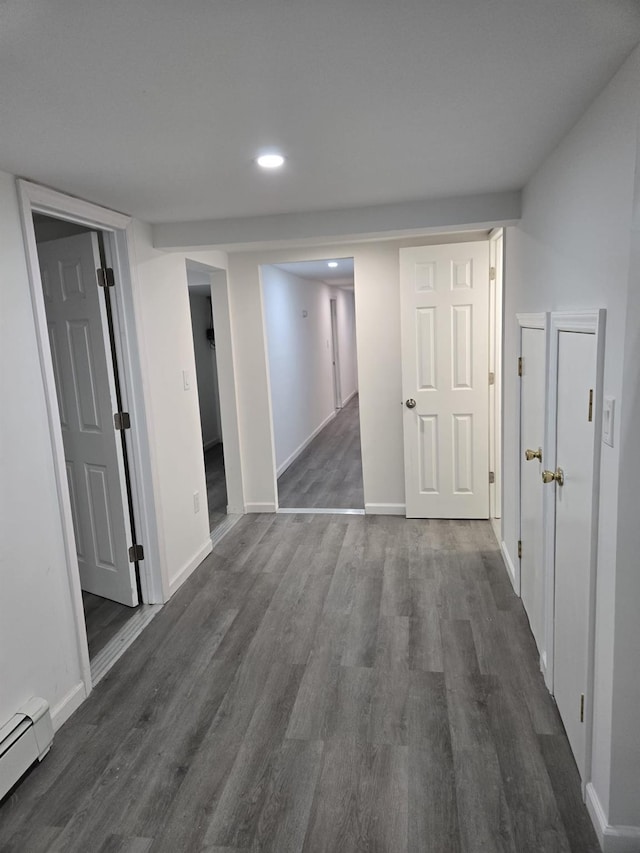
x,y
532,412
85,387
445,378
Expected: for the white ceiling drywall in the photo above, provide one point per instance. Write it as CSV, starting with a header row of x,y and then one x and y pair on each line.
x,y
340,276
157,108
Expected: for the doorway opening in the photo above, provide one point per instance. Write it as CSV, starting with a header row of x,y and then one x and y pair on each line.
x,y
84,348
204,346
309,310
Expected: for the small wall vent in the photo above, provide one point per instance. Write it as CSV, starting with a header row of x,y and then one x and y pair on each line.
x,y
26,738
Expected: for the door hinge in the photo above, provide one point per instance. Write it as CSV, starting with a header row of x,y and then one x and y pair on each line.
x,y
590,405
582,707
519,549
121,420
492,273
492,477
106,277
520,366
136,553
492,378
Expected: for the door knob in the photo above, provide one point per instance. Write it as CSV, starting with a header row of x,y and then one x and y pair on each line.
x,y
533,454
550,476
411,403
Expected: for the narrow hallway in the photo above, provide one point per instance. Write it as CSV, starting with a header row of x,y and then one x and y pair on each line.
x,y
328,473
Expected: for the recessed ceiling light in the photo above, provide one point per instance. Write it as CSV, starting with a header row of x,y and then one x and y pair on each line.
x,y
270,161
332,264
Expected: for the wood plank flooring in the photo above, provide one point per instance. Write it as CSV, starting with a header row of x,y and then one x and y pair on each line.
x,y
321,683
103,619
328,473
216,485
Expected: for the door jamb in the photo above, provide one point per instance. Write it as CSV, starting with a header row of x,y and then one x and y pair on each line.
x,y
117,229
335,353
588,322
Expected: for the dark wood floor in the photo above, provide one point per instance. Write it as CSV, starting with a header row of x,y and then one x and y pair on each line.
x,y
321,683
103,619
328,474
216,485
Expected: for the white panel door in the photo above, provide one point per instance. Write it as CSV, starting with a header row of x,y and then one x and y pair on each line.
x,y
576,378
445,371
532,415
86,400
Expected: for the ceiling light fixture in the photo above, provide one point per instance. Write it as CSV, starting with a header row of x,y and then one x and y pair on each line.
x,y
270,161
332,264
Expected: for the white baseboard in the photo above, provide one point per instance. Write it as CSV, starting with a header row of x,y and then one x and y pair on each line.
x,y
496,524
613,839
190,567
260,507
385,509
511,569
71,702
349,398
232,509
292,458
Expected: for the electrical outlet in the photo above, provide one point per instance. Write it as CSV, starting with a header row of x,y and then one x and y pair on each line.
x,y
196,502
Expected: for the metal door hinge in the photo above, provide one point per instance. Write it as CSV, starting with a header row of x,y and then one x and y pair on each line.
x,y
121,420
492,378
106,277
590,405
492,477
492,273
519,549
136,553
582,707
520,366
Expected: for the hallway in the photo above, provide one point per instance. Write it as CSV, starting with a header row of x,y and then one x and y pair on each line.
x,y
216,485
321,683
328,473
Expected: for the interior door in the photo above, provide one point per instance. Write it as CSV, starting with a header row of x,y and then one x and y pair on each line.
x,y
85,386
573,487
445,377
532,414
335,354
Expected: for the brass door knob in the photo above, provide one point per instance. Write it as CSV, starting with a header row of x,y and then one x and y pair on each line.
x,y
411,403
550,476
533,454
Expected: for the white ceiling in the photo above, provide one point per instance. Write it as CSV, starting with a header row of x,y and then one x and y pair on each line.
x,y
341,276
157,108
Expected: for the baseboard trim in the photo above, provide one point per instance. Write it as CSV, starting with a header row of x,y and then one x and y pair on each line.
x,y
292,458
261,507
613,839
70,703
349,398
511,569
385,509
190,567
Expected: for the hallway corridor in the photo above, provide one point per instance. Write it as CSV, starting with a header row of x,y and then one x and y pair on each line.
x,y
321,683
328,473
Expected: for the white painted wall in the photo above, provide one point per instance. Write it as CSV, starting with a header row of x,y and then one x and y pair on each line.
x,y
38,647
298,332
346,322
206,369
571,251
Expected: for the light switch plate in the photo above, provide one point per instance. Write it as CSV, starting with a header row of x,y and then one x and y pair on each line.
x,y
608,411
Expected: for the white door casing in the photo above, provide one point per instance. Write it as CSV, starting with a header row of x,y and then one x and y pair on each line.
x,y
335,354
533,346
576,358
445,369
85,387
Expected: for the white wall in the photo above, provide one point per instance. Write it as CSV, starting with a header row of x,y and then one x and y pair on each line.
x,y
571,251
346,322
206,369
38,647
298,333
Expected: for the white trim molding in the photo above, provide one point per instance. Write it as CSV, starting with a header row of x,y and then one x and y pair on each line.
x,y
301,448
612,838
70,703
385,509
266,506
190,566
511,569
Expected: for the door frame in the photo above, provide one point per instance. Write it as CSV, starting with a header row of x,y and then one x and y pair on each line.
x,y
118,237
539,321
335,353
592,323
497,248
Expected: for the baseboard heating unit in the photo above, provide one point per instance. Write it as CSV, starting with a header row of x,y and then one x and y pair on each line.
x,y
26,738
